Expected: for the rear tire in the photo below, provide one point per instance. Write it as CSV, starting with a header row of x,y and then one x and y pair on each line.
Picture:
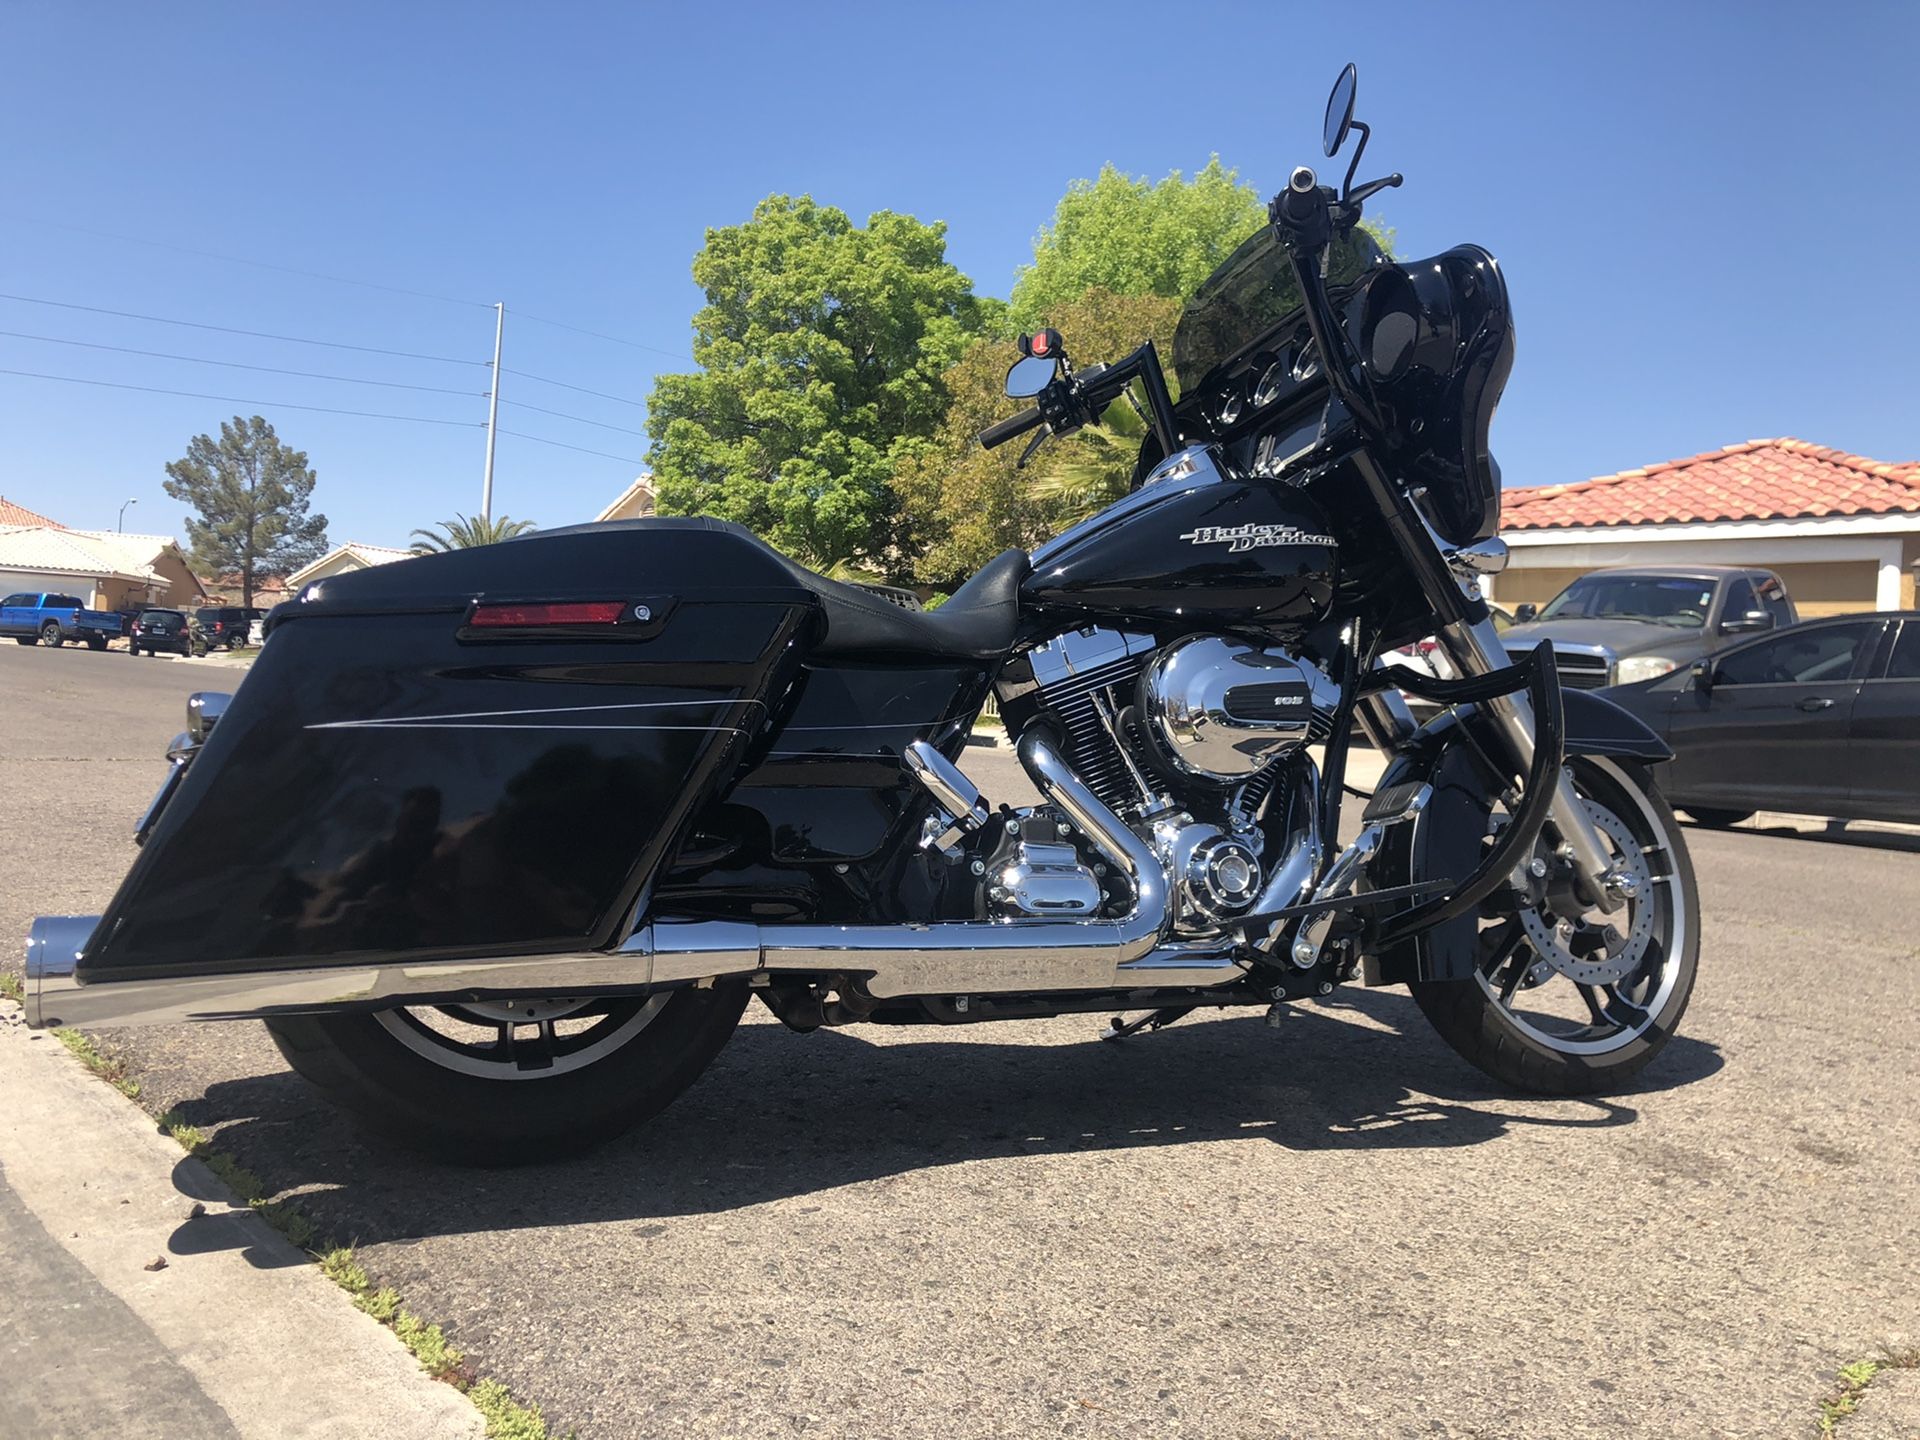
x,y
1629,1021
26,640
471,1105
51,637
1716,819
94,642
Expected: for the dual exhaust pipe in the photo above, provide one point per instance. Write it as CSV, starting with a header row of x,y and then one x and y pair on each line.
x,y
1013,956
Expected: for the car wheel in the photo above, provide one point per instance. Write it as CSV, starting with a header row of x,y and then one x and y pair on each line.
x,y
51,637
94,642
1718,819
26,640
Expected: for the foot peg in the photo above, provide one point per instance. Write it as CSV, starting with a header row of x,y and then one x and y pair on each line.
x,y
1391,806
963,809
1118,1029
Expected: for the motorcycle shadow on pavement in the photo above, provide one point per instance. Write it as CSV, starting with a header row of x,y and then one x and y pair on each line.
x,y
782,1115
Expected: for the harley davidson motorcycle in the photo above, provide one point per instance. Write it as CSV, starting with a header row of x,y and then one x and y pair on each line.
x,y
500,842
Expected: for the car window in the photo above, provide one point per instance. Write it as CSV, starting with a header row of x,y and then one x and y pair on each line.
x,y
21,599
1740,599
1773,599
60,602
1659,599
1905,664
1799,657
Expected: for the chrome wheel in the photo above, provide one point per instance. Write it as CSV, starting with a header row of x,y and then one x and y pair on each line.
x,y
521,1039
1577,981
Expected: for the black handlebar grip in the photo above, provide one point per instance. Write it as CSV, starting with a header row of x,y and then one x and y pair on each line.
x,y
1301,198
1004,430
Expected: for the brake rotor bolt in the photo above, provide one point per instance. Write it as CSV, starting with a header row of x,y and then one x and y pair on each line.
x,y
979,867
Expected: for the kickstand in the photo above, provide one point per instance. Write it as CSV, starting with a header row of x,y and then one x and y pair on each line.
x,y
1118,1029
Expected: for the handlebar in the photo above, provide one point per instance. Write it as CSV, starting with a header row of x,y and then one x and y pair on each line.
x,y
1002,431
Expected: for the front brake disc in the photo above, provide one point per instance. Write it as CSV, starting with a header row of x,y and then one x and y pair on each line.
x,y
1592,951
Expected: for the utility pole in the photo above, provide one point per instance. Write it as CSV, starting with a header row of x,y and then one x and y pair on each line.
x,y
493,411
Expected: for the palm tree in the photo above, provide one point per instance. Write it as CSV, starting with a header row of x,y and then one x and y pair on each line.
x,y
1096,469
460,533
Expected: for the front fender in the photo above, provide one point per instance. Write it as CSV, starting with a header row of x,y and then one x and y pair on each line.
x,y
1445,842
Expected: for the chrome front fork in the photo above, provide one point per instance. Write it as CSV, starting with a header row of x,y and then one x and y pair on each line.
x,y
1476,650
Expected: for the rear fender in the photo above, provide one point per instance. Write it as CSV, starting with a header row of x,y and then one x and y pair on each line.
x,y
1450,754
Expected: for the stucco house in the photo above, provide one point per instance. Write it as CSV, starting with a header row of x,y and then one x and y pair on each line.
x,y
354,555
109,570
1843,531
634,503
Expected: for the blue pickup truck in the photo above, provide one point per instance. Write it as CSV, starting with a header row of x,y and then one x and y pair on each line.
x,y
42,618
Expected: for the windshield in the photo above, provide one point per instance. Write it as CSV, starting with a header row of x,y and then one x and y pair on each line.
x,y
1251,293
1659,599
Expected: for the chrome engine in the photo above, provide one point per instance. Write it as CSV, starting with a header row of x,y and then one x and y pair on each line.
x,y
1185,742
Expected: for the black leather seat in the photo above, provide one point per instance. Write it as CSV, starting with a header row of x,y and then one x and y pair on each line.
x,y
978,622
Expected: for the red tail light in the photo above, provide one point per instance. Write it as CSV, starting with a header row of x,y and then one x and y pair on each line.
x,y
518,617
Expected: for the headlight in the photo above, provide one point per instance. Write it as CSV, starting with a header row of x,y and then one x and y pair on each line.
x,y
1636,668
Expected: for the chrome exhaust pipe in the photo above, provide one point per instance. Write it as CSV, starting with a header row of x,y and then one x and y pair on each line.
x,y
960,957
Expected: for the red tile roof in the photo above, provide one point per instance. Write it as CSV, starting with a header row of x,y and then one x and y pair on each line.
x,y
12,514
1760,480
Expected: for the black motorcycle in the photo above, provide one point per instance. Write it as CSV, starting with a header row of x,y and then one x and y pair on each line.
x,y
499,842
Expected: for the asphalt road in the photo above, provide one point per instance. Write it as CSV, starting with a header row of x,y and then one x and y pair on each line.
x,y
1331,1228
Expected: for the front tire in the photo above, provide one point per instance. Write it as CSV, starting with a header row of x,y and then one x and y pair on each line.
x,y
1523,1020
434,1079
51,637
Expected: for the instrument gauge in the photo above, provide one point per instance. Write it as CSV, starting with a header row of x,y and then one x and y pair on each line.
x,y
1306,361
1271,384
1231,407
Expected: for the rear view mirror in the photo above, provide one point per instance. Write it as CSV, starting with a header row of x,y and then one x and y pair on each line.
x,y
1703,675
1524,613
1339,112
1752,620
1029,375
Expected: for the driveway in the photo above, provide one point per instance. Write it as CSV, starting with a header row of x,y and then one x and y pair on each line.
x,y
1329,1228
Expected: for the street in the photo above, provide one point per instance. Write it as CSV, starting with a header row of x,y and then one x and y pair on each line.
x,y
1333,1227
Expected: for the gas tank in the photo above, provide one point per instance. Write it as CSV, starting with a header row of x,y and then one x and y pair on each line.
x,y
1195,545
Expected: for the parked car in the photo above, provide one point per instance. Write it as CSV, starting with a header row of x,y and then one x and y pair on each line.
x,y
39,618
257,632
1821,719
226,626
1624,625
173,631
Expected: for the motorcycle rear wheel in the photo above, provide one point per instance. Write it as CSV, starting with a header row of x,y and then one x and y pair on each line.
x,y
1530,1026
502,1084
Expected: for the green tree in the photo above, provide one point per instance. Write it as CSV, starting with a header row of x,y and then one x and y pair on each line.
x,y
969,504
822,349
1135,237
252,494
460,533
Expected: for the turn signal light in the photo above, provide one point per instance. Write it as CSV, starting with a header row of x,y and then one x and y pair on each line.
x,y
520,617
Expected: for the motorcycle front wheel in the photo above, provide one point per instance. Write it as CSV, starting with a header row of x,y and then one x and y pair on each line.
x,y
512,1082
1566,1001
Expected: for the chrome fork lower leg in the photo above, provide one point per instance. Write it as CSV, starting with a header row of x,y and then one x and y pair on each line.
x,y
1476,650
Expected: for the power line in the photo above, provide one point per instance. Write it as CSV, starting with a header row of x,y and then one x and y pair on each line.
x,y
237,365
564,385
599,335
269,404
256,334
560,444
243,260
561,415
338,280
323,410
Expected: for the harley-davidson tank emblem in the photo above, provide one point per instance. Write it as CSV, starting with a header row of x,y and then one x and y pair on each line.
x,y
1253,537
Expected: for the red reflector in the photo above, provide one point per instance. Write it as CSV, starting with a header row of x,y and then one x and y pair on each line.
x,y
1040,343
592,612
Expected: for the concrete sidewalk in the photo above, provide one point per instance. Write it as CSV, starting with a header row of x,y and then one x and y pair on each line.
x,y
237,1336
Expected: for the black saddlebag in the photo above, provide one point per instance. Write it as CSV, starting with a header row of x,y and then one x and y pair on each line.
x,y
483,752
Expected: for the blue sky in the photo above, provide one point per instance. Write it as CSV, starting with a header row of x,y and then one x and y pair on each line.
x,y
1707,213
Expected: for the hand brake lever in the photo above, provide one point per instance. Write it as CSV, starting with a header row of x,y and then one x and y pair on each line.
x,y
1046,434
